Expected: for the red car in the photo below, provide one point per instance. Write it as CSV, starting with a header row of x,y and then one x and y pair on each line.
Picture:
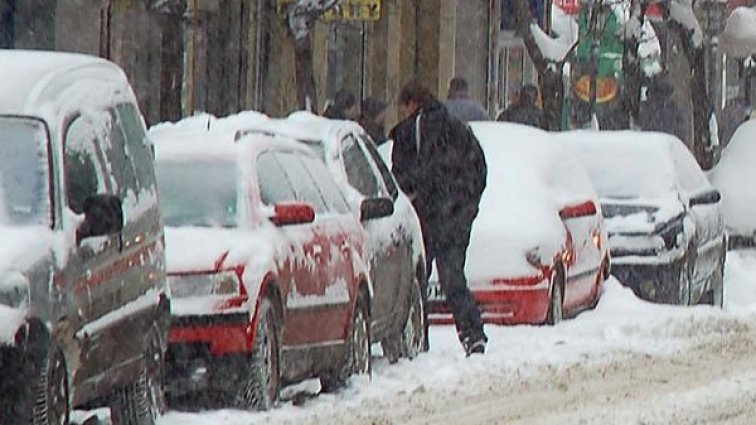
x,y
264,258
538,247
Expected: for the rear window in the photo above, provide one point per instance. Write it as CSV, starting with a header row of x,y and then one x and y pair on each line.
x,y
198,194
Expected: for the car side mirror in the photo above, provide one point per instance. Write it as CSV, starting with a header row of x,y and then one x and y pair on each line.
x,y
372,208
708,198
285,214
103,215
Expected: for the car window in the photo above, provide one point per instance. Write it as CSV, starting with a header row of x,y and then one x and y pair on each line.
x,y
305,189
388,178
358,170
273,183
118,162
84,171
137,144
328,187
692,180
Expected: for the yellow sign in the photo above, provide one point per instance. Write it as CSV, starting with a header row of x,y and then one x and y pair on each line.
x,y
355,10
345,10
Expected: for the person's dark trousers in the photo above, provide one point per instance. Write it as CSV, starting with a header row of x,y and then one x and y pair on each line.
x,y
450,254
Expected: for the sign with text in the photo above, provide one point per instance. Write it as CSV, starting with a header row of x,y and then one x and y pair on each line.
x,y
345,10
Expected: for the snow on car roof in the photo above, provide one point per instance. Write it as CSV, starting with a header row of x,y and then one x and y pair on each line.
x,y
30,78
734,176
613,160
529,181
193,138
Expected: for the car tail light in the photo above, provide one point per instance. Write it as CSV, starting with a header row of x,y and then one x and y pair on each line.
x,y
585,209
596,238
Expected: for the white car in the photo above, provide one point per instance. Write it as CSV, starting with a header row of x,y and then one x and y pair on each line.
x,y
666,231
734,177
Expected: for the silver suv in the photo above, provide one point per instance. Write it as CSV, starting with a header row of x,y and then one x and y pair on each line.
x,y
83,305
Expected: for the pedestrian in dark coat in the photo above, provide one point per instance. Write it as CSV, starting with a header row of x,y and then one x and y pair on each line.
x,y
525,110
661,113
439,163
343,107
373,119
459,104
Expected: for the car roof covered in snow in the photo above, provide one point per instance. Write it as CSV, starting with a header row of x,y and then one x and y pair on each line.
x,y
632,164
31,79
180,143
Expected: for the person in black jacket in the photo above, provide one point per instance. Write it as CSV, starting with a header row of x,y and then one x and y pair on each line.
x,y
373,119
439,164
525,110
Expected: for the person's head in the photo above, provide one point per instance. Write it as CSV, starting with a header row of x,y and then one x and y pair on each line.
x,y
458,88
529,95
373,111
345,105
413,96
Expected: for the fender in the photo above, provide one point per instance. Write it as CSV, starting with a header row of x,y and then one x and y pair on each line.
x,y
263,287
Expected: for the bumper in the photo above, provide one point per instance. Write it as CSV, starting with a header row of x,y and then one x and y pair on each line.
x,y
205,351
509,305
657,283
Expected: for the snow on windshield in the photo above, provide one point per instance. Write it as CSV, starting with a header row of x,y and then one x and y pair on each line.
x,y
613,159
24,178
198,193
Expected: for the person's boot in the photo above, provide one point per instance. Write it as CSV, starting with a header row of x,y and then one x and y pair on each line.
x,y
474,343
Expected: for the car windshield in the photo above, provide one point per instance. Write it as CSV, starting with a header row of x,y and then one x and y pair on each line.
x,y
614,172
199,193
24,175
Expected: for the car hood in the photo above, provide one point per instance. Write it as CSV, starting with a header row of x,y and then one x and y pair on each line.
x,y
639,216
195,249
22,248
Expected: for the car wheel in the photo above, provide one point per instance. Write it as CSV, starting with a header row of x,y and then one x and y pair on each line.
x,y
415,328
555,313
262,383
684,282
143,401
357,357
52,392
715,295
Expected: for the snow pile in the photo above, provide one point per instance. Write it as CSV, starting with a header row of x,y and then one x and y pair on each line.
x,y
734,177
739,36
681,11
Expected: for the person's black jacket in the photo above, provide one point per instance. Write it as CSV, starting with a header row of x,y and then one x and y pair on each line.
x,y
444,171
524,114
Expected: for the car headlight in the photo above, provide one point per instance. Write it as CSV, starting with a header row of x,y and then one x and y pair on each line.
x,y
14,290
197,285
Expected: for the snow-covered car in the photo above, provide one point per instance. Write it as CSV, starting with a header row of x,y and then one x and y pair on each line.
x,y
264,259
734,177
394,249
537,251
666,230
81,258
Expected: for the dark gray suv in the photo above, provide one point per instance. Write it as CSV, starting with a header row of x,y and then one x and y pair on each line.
x,y
83,304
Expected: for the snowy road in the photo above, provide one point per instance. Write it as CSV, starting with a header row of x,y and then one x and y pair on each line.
x,y
627,362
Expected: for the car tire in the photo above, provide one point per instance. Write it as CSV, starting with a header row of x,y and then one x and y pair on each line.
x,y
414,333
51,403
684,281
555,313
262,382
715,295
357,358
143,401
